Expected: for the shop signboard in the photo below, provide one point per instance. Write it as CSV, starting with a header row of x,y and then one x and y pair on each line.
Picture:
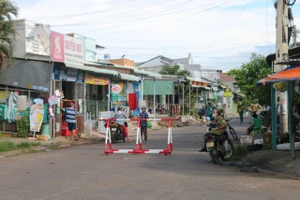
x,y
73,50
116,89
67,74
57,47
66,49
96,80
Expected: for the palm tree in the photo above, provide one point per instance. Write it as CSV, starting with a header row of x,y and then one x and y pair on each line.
x,y
7,11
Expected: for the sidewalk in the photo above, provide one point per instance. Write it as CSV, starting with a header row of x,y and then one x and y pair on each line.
x,y
277,162
280,162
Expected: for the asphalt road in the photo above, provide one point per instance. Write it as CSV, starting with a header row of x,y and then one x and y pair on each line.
x,y
84,172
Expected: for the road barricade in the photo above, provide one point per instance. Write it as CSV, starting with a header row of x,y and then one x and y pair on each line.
x,y
108,149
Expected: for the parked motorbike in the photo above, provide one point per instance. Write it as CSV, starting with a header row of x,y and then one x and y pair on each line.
x,y
117,132
229,128
219,147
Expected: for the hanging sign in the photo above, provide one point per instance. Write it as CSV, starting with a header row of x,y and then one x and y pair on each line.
x,y
116,89
96,80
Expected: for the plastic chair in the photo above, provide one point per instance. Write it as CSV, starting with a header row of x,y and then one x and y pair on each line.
x,y
256,131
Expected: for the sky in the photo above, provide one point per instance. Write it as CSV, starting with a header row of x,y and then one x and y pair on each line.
x,y
220,34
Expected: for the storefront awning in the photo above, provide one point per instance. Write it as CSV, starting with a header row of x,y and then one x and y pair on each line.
x,y
288,74
128,77
27,74
162,87
204,87
92,69
146,73
105,71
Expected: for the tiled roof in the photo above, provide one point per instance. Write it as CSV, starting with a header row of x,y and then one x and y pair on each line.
x,y
226,78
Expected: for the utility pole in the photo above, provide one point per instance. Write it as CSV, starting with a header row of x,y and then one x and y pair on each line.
x,y
294,36
281,56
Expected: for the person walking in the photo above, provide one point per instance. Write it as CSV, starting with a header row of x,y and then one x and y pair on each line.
x,y
121,115
71,120
241,113
203,114
250,113
144,115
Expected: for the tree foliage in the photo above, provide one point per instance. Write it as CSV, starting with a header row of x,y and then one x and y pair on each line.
x,y
174,70
7,11
248,74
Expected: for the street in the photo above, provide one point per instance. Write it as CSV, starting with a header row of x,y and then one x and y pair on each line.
x,y
84,172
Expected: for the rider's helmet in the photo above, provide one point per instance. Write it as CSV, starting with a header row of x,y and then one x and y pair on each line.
x,y
143,107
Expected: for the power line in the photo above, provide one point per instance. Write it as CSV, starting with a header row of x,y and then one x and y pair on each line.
x,y
97,11
154,15
229,27
267,24
205,10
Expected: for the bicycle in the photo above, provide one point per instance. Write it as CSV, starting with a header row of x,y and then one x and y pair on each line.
x,y
231,130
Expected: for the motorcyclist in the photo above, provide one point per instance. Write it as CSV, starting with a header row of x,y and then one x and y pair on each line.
x,y
121,115
221,125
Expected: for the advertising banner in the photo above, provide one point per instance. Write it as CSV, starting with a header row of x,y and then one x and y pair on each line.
x,y
73,50
57,47
66,49
116,89
67,74
96,80
36,117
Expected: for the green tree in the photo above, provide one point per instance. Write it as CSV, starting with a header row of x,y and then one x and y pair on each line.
x,y
7,11
174,70
248,74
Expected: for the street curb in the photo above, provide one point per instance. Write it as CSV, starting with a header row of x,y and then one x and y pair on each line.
x,y
67,145
279,175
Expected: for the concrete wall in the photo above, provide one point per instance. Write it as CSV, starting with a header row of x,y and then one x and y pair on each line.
x,y
124,62
32,40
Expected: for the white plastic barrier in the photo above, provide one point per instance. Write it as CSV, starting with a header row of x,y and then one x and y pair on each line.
x,y
108,149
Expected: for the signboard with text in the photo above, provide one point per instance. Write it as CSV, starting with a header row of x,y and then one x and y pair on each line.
x,y
66,49
96,80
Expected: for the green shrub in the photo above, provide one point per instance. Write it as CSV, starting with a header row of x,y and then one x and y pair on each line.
x,y
23,127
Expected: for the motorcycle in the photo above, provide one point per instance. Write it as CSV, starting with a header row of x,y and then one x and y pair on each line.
x,y
229,128
219,147
117,132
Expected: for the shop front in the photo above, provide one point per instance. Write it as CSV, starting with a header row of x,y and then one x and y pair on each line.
x,y
121,89
20,86
97,90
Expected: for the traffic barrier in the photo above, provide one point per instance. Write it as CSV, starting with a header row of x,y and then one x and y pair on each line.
x,y
108,149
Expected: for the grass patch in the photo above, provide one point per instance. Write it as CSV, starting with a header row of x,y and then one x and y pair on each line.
x,y
10,146
53,146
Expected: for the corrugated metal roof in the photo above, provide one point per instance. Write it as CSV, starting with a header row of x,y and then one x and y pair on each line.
x,y
151,74
128,77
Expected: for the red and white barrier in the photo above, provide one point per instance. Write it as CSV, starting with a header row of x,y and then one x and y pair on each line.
x,y
139,145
